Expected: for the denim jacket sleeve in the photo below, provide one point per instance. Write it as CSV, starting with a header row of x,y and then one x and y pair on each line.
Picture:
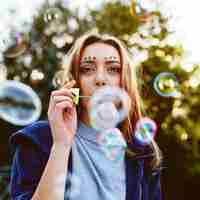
x,y
151,187
29,159
26,171
148,179
142,184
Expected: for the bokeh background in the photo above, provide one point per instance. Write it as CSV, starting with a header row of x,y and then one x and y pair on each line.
x,y
161,37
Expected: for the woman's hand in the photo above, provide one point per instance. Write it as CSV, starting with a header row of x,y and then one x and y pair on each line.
x,y
62,115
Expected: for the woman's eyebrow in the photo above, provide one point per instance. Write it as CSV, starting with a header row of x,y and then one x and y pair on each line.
x,y
112,61
108,60
87,61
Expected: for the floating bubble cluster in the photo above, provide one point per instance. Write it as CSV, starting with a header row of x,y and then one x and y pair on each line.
x,y
19,104
166,85
108,107
145,130
112,143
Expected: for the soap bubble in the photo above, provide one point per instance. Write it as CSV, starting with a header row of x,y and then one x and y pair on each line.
x,y
17,46
138,7
108,107
142,9
104,116
166,85
112,144
19,104
53,14
145,130
135,7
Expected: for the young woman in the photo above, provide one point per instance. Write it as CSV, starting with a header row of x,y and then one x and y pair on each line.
x,y
50,152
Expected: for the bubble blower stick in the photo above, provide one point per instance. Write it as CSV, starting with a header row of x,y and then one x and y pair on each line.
x,y
108,106
77,96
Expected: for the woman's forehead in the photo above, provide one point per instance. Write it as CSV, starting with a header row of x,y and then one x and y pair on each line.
x,y
100,51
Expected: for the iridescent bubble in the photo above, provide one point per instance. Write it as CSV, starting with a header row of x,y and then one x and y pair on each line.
x,y
108,107
112,144
53,14
145,130
166,85
18,46
73,183
19,104
138,7
135,7
142,9
148,6
104,116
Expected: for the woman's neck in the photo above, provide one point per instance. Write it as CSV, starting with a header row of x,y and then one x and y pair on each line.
x,y
84,117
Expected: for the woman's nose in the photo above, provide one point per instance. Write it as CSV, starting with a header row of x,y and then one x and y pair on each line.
x,y
100,79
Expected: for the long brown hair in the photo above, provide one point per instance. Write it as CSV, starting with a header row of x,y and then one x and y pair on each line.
x,y
129,79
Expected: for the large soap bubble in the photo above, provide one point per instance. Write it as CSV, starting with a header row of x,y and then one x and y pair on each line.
x,y
145,130
19,104
112,144
108,107
166,85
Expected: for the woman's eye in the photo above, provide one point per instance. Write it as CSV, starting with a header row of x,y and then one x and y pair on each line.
x,y
87,69
114,69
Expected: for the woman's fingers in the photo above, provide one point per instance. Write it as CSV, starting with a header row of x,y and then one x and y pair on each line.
x,y
63,97
64,104
70,84
58,99
65,92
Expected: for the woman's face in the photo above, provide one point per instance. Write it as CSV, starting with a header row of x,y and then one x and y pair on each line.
x,y
100,65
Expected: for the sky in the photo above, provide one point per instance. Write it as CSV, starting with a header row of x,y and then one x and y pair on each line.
x,y
185,15
185,22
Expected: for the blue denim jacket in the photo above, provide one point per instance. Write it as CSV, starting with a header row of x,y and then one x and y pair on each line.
x,y
32,146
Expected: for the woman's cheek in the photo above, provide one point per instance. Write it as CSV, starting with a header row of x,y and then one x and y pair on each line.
x,y
85,90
